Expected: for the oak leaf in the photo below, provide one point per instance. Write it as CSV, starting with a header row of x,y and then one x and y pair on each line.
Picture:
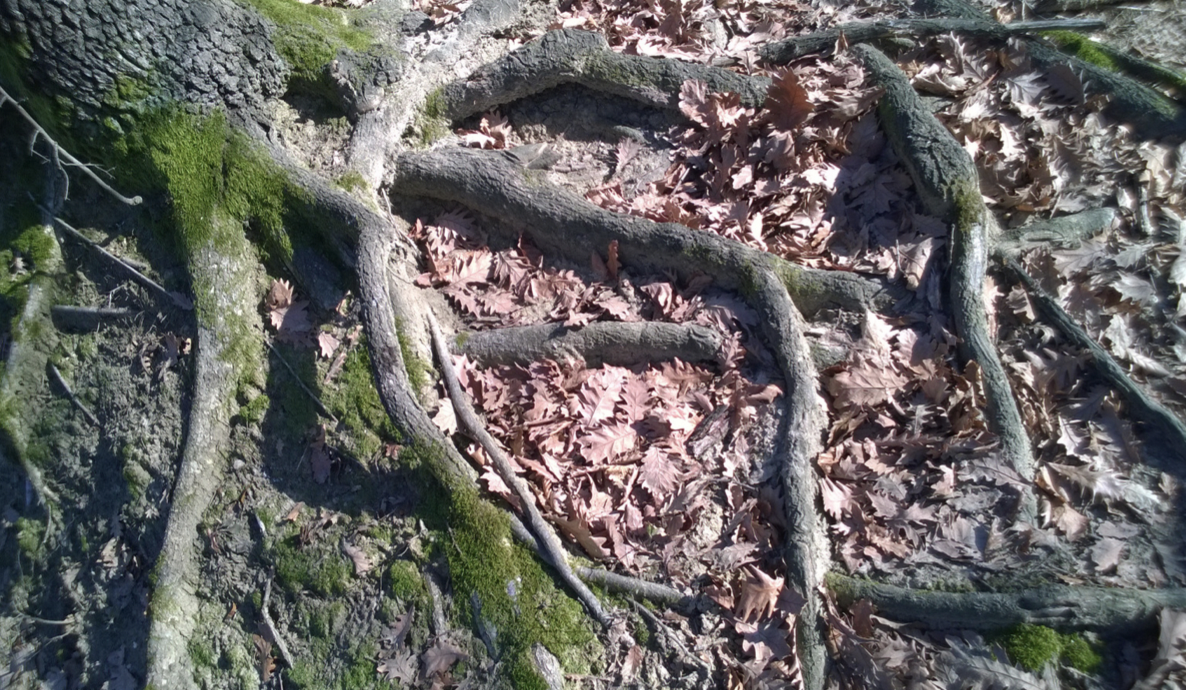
x,y
759,595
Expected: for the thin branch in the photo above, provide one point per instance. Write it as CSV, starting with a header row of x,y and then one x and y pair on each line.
x,y
543,532
144,280
57,376
58,150
270,627
623,584
296,377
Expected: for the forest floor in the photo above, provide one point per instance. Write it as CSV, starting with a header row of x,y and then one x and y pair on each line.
x,y
655,469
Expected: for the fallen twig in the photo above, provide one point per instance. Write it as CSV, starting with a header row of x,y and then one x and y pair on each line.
x,y
144,280
59,151
57,376
66,317
623,584
296,377
469,423
270,627
1143,407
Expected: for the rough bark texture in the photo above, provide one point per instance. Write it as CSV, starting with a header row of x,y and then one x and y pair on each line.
x,y
619,344
581,57
207,52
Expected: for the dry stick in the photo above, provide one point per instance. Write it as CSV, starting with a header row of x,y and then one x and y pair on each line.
x,y
58,150
1057,606
1141,405
86,318
296,377
862,32
1144,220
623,584
90,418
270,627
473,428
948,185
137,275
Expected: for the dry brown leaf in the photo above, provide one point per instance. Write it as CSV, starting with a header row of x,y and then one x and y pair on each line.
x,y
362,562
759,595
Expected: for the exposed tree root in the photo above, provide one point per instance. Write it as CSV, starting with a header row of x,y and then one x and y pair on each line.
x,y
567,225
1067,231
1169,432
1152,114
946,181
472,427
493,185
570,56
223,271
1057,606
788,49
618,344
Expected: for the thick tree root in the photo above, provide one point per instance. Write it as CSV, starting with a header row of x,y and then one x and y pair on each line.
x,y
782,52
946,181
228,340
617,344
1057,606
472,427
570,56
1169,433
1152,114
493,184
567,225
1067,231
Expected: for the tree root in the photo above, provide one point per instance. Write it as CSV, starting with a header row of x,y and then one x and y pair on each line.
x,y
562,223
782,52
1067,231
57,377
1152,114
493,185
1062,607
1170,432
570,56
472,427
617,344
946,181
222,270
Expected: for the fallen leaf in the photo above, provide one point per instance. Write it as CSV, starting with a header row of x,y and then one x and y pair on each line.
x,y
758,595
362,562
327,344
1106,554
787,102
440,658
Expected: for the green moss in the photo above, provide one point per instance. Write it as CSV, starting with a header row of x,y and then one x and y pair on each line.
x,y
406,582
417,369
253,412
201,652
518,598
351,181
431,122
356,403
1033,646
308,37
1114,60
1080,654
322,570
28,537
